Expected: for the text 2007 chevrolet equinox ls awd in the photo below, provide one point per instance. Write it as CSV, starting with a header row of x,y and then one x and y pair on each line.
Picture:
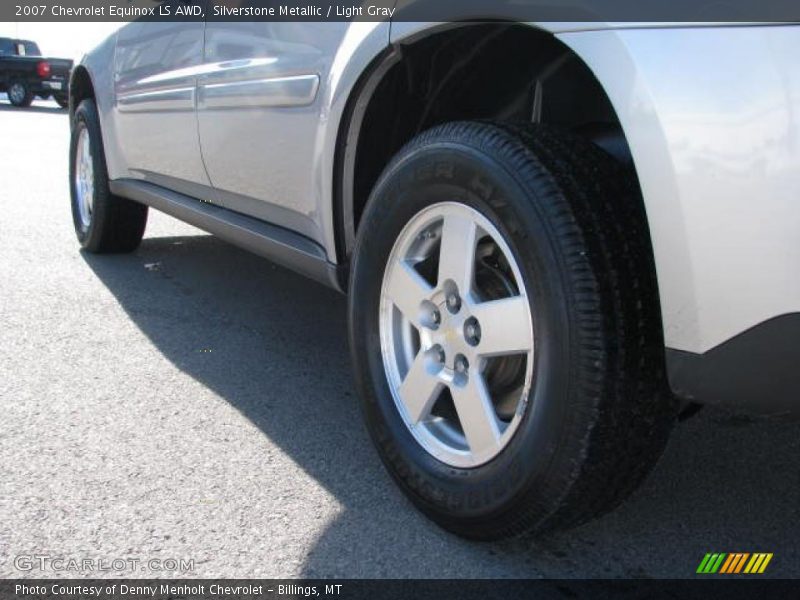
x,y
550,236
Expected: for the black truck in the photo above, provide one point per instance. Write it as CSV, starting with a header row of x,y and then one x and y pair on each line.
x,y
25,74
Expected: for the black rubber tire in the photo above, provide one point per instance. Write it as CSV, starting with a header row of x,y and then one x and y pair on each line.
x,y
600,411
117,224
61,100
27,96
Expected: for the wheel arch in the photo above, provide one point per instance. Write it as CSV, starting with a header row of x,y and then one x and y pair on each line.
x,y
558,65
364,147
80,88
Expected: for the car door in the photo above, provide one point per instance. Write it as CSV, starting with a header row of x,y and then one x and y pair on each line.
x,y
259,111
155,75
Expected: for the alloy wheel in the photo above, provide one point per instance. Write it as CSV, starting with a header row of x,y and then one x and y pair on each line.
x,y
456,334
84,178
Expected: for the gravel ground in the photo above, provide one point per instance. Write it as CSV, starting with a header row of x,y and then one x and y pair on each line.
x,y
192,401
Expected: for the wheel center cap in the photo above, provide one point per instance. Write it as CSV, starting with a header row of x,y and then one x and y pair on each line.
x,y
450,334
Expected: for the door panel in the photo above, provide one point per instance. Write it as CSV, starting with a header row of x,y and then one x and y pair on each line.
x,y
155,80
259,111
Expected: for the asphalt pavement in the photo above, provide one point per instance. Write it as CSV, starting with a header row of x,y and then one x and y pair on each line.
x,y
193,402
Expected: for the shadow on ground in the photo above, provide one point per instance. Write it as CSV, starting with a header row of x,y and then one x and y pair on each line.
x,y
281,358
55,110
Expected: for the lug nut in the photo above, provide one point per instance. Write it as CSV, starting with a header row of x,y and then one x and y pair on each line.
x,y
472,331
453,303
462,365
429,315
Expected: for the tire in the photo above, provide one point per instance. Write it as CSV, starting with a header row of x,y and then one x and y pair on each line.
x,y
597,413
19,94
104,223
62,101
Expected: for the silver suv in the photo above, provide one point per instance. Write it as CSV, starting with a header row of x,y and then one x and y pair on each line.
x,y
553,236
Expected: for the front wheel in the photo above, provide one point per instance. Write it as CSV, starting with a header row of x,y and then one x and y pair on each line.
x,y
103,222
505,329
19,94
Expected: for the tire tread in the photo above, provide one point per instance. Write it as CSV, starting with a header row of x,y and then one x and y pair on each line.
x,y
118,223
620,409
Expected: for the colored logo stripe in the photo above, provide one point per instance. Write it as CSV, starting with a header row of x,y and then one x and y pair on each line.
x,y
734,562
711,563
758,563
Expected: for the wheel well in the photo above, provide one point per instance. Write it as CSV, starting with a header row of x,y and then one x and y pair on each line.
x,y
80,88
498,71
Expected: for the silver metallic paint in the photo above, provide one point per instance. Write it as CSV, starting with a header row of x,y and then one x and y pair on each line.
x,y
712,119
710,114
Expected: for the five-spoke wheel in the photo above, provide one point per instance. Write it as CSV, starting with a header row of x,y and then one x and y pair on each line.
x,y
456,334
103,222
84,178
504,329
